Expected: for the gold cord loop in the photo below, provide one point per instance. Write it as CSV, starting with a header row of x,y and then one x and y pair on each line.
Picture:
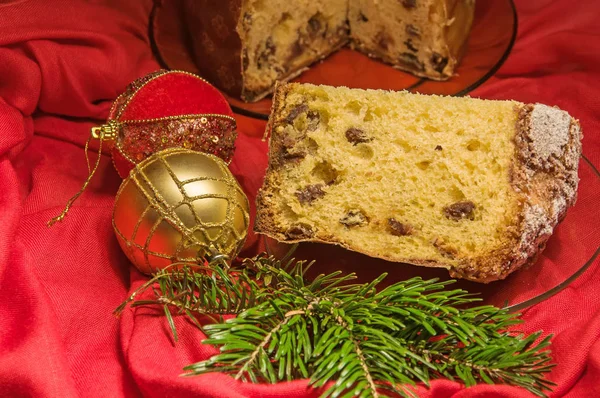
x,y
91,172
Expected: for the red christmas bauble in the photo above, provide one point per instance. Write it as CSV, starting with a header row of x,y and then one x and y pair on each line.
x,y
167,109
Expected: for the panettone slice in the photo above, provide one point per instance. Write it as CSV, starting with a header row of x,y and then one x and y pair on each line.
x,y
474,186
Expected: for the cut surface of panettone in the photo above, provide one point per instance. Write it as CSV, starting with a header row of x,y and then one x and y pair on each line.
x,y
425,38
474,186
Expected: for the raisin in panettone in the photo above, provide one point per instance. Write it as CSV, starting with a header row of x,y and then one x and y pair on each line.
x,y
474,186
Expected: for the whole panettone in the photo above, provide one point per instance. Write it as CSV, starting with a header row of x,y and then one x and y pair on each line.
x,y
245,47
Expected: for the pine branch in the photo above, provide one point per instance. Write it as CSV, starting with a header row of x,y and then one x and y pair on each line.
x,y
212,289
366,341
260,349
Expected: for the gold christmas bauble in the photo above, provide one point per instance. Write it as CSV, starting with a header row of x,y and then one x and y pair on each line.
x,y
178,206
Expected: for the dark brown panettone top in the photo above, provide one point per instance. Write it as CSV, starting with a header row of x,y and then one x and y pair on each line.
x,y
216,41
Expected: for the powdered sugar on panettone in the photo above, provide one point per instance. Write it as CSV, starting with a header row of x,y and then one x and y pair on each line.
x,y
548,143
549,131
536,223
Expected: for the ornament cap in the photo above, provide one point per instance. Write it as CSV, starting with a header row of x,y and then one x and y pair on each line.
x,y
214,255
107,131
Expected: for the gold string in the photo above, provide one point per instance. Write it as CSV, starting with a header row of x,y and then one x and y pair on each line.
x,y
87,157
91,173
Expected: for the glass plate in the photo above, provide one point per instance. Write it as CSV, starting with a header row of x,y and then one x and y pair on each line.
x,y
572,248
492,36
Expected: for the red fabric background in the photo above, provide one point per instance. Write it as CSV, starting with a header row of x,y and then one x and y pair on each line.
x,y
61,64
